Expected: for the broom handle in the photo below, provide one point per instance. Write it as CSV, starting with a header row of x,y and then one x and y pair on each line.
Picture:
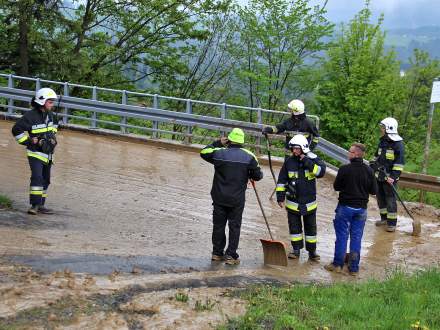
x,y
261,208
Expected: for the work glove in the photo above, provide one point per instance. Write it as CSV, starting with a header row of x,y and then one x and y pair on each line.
x,y
374,165
267,130
308,163
48,144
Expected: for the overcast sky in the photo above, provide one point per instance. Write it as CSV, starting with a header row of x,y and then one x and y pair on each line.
x,y
398,13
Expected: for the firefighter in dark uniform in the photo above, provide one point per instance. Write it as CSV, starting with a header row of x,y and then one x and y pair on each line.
x,y
36,130
234,166
388,165
298,122
296,191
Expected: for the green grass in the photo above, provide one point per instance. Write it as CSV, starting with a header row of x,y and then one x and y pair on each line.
x,y
181,296
5,202
201,306
400,302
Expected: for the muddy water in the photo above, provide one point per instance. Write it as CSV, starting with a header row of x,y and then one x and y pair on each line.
x,y
121,205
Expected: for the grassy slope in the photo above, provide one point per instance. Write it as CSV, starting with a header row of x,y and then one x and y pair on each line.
x,y
400,302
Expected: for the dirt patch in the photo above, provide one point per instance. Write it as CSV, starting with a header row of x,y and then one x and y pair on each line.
x,y
78,301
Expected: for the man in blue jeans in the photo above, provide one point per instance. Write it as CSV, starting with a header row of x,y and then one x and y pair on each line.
x,y
355,181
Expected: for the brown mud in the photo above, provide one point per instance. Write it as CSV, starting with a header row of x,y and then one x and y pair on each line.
x,y
135,215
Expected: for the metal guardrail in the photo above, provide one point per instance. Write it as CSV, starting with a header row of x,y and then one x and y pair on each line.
x,y
157,115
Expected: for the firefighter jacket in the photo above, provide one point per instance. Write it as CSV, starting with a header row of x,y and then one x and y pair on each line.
x,y
234,166
390,156
297,183
35,123
302,125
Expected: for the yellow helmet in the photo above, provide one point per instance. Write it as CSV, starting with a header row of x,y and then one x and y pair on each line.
x,y
236,135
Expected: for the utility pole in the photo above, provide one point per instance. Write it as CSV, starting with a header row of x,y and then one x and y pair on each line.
x,y
435,97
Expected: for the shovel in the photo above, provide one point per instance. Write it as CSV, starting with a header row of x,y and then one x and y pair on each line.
x,y
270,165
417,227
274,251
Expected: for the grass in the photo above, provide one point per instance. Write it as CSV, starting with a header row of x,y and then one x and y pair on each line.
x,y
181,296
5,202
204,306
400,302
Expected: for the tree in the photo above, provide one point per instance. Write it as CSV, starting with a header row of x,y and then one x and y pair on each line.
x,y
361,83
24,24
412,114
100,41
274,39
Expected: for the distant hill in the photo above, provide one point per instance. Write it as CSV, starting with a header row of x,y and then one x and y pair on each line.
x,y
404,41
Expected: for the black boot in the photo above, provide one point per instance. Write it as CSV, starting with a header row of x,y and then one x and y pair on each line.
x,y
33,210
45,210
295,254
313,256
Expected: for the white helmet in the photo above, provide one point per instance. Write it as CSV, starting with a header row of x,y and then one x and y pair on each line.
x,y
45,94
300,140
296,106
390,125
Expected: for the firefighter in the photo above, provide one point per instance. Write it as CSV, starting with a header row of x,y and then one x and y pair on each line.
x,y
388,165
298,122
234,166
296,191
355,182
36,130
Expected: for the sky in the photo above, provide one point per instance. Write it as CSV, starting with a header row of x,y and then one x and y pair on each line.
x,y
398,13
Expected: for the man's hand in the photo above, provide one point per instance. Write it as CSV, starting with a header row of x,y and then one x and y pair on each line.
x,y
224,140
34,140
281,204
302,156
390,180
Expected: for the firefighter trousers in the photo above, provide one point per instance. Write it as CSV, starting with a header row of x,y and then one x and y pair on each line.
x,y
232,216
386,201
40,180
296,230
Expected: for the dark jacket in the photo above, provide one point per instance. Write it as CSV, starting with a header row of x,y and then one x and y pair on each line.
x,y
355,181
234,166
35,123
391,155
297,183
299,124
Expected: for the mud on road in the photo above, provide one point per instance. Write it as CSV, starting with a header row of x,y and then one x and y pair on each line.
x,y
133,214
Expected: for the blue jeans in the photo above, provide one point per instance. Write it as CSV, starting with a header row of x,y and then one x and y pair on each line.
x,y
349,222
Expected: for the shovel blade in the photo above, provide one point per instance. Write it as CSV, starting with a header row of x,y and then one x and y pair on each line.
x,y
274,252
417,228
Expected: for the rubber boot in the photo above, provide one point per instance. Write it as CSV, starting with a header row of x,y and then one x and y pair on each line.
x,y
33,210
313,256
295,254
391,229
44,210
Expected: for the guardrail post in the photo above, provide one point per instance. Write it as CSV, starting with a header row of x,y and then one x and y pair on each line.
x,y
258,140
66,110
223,116
94,97
189,128
155,123
124,119
37,84
11,101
